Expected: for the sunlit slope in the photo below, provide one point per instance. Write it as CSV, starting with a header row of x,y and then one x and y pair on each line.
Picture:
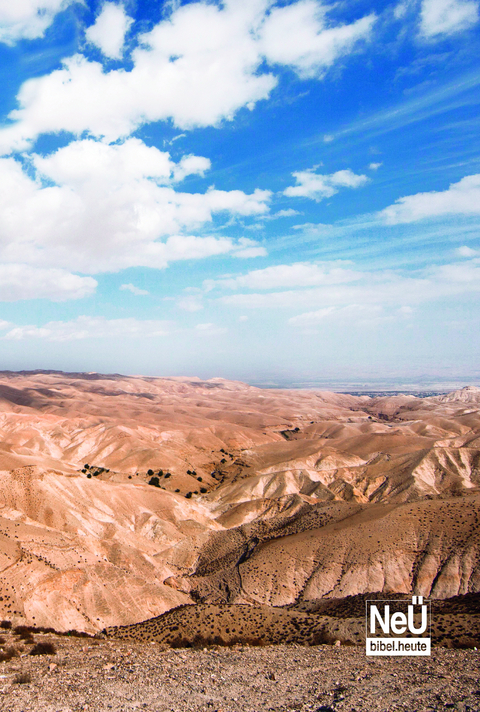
x,y
429,547
121,498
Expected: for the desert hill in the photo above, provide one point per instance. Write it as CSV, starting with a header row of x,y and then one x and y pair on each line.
x,y
124,497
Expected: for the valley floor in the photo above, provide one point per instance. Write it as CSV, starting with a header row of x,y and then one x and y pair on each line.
x,y
104,675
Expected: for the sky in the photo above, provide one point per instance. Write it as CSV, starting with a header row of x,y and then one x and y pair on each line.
x,y
283,193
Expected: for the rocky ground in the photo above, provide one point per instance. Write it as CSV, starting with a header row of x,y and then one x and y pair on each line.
x,y
103,675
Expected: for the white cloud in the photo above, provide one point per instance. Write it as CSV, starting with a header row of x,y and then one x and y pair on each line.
x,y
21,281
134,290
290,212
328,138
314,317
369,288
191,165
249,248
375,166
89,327
466,251
446,17
318,186
197,67
27,19
462,198
108,32
299,274
191,303
112,207
299,35
354,314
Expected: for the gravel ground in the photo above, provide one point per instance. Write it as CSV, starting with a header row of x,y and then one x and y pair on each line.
x,y
114,675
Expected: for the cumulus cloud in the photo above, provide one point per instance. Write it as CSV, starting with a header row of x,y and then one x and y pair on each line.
x,y
88,327
191,165
134,290
446,17
108,32
375,166
197,67
317,186
21,281
462,198
112,207
27,19
299,274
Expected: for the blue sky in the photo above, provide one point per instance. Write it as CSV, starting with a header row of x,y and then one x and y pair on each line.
x,y
278,192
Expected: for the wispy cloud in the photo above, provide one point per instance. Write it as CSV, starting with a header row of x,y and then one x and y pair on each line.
x,y
89,327
134,290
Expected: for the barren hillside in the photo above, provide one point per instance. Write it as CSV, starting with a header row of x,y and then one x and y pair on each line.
x,y
123,497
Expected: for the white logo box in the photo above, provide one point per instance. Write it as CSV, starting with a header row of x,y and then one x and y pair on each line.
x,y
398,627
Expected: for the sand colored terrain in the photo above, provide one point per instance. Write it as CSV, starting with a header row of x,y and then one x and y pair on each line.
x,y
259,497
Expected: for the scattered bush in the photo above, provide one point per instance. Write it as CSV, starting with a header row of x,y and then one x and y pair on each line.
x,y
129,477
188,495
189,472
24,632
2,640
167,475
43,649
6,625
154,481
200,479
87,467
149,473
177,490
8,654
203,490
22,678
89,476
